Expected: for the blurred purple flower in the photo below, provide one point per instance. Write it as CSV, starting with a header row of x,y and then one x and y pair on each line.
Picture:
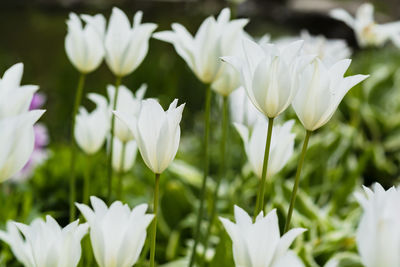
x,y
40,153
37,101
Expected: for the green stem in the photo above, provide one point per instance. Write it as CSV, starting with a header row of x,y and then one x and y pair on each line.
x,y
261,188
121,170
154,225
205,175
297,181
72,189
222,171
86,185
109,164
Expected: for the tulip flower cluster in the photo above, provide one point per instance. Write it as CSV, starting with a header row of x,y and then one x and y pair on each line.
x,y
256,81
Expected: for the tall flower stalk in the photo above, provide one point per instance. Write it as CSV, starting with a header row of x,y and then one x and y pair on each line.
x,y
200,214
121,170
118,81
154,223
297,181
72,180
222,169
261,187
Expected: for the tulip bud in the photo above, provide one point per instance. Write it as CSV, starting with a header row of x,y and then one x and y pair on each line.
x,y
84,45
126,46
157,132
91,129
281,150
321,90
269,74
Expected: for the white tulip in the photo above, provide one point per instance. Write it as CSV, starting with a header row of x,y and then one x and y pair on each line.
x,y
84,45
270,75
227,81
91,129
19,247
14,98
126,46
259,244
17,139
129,156
367,31
157,132
127,103
242,111
378,234
281,150
117,233
329,51
214,38
321,90
46,244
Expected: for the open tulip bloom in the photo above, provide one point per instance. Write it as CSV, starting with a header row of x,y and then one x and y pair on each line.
x,y
46,244
321,90
378,233
367,31
269,74
260,244
214,38
126,46
117,233
84,45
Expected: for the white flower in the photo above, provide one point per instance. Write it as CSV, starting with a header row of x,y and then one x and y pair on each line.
x,y
127,103
157,132
129,157
282,145
259,244
329,51
242,111
91,129
126,46
270,75
367,31
19,247
321,91
227,81
84,45
117,233
14,98
46,244
378,234
214,38
17,139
